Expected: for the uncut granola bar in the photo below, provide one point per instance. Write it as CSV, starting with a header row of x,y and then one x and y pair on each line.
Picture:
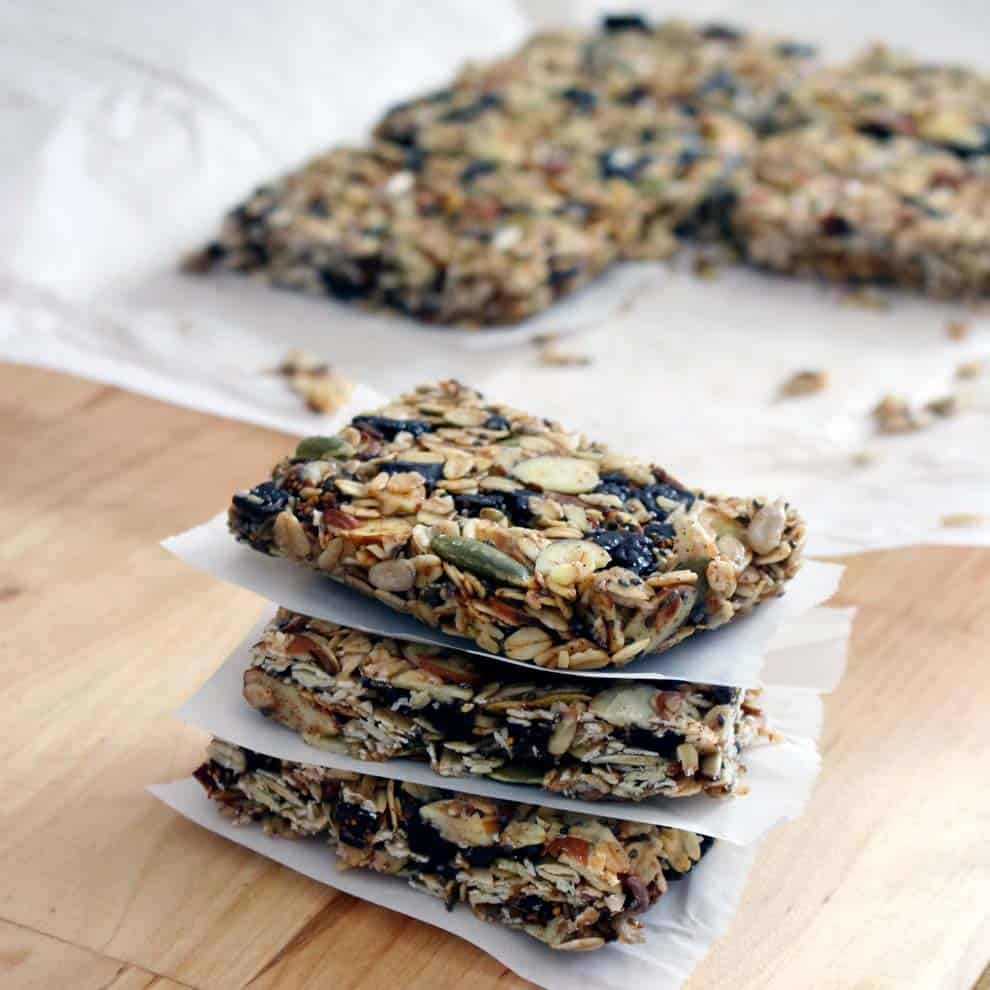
x,y
485,202
497,525
835,202
574,882
375,698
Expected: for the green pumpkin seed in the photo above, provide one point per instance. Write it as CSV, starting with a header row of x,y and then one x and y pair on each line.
x,y
480,558
516,774
320,448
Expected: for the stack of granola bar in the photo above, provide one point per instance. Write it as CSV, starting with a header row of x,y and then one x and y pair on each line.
x,y
549,556
484,202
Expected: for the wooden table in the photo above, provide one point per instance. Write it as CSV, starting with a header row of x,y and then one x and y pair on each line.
x,y
885,883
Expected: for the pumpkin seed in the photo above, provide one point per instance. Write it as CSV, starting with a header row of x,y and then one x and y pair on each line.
x,y
319,448
517,774
480,558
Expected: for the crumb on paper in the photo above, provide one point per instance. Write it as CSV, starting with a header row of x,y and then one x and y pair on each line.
x,y
957,329
971,369
803,383
315,381
863,458
962,520
866,298
551,356
706,266
894,414
944,406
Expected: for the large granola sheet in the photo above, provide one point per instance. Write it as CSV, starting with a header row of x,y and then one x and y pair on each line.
x,y
780,777
680,928
733,654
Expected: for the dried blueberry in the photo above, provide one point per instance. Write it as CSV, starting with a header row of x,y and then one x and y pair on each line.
x,y
633,96
659,532
723,695
650,493
699,613
621,164
513,505
389,429
876,129
425,840
262,502
563,276
617,484
482,856
665,744
796,49
583,99
689,154
970,149
719,82
215,251
529,742
624,22
341,286
476,169
495,422
628,549
431,473
354,823
721,32
318,208
534,910
465,114
834,225
450,719
258,761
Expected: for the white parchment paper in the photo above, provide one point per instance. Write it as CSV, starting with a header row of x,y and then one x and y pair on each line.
x,y
780,777
732,655
680,928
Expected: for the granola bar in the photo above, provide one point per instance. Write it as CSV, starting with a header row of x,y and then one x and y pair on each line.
x,y
834,202
572,881
503,527
485,202
376,699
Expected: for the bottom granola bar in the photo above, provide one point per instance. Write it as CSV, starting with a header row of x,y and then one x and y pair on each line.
x,y
375,698
572,881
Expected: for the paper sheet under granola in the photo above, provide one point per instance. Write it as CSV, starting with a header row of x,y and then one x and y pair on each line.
x,y
780,776
731,655
680,928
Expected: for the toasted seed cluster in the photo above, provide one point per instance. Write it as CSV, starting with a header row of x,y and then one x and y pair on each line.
x,y
374,698
500,526
484,202
571,881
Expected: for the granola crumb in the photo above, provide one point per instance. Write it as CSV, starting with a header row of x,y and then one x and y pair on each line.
x,y
893,414
706,266
315,381
551,356
803,383
962,520
971,369
946,405
866,298
957,330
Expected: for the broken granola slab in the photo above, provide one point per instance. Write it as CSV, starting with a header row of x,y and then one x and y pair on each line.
x,y
502,527
572,881
375,698
832,202
482,203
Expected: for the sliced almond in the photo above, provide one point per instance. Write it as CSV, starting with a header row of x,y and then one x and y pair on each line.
x,y
570,475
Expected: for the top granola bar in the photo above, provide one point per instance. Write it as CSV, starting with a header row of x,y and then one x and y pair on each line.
x,y
503,527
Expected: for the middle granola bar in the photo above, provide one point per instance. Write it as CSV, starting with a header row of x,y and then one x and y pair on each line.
x,y
375,698
503,527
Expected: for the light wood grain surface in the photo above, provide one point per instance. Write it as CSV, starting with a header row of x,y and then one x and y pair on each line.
x,y
885,883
